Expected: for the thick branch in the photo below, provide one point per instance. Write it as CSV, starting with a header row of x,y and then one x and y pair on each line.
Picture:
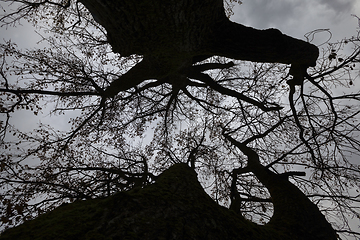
x,y
146,69
171,39
245,43
229,92
292,209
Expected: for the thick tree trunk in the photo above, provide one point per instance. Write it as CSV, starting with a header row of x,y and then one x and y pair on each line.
x,y
176,207
170,34
157,27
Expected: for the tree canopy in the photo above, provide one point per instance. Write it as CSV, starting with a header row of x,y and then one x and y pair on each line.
x,y
148,84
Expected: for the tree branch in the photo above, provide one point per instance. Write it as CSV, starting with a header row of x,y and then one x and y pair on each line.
x,y
44,92
229,92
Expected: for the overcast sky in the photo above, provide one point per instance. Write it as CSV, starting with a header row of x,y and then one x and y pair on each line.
x,y
296,18
292,17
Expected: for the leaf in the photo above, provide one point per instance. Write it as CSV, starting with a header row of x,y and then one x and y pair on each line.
x,y
332,56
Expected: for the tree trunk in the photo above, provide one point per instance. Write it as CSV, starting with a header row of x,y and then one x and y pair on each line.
x,y
176,207
171,33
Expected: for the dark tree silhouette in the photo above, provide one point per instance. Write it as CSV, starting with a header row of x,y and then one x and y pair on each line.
x,y
216,95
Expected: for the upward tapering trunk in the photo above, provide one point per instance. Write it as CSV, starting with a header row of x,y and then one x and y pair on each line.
x,y
175,207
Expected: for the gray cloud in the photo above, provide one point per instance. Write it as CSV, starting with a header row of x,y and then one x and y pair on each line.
x,y
265,13
296,18
339,6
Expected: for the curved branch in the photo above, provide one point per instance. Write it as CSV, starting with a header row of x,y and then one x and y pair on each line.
x,y
291,206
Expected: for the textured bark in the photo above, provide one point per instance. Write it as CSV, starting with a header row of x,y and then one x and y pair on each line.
x,y
157,27
176,207
245,43
190,28
171,34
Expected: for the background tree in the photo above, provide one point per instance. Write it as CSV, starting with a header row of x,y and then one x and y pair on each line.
x,y
145,99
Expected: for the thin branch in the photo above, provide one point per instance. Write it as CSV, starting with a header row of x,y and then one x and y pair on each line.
x,y
44,92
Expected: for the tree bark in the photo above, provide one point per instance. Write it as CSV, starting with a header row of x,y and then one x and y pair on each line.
x,y
173,32
245,43
176,207
294,213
